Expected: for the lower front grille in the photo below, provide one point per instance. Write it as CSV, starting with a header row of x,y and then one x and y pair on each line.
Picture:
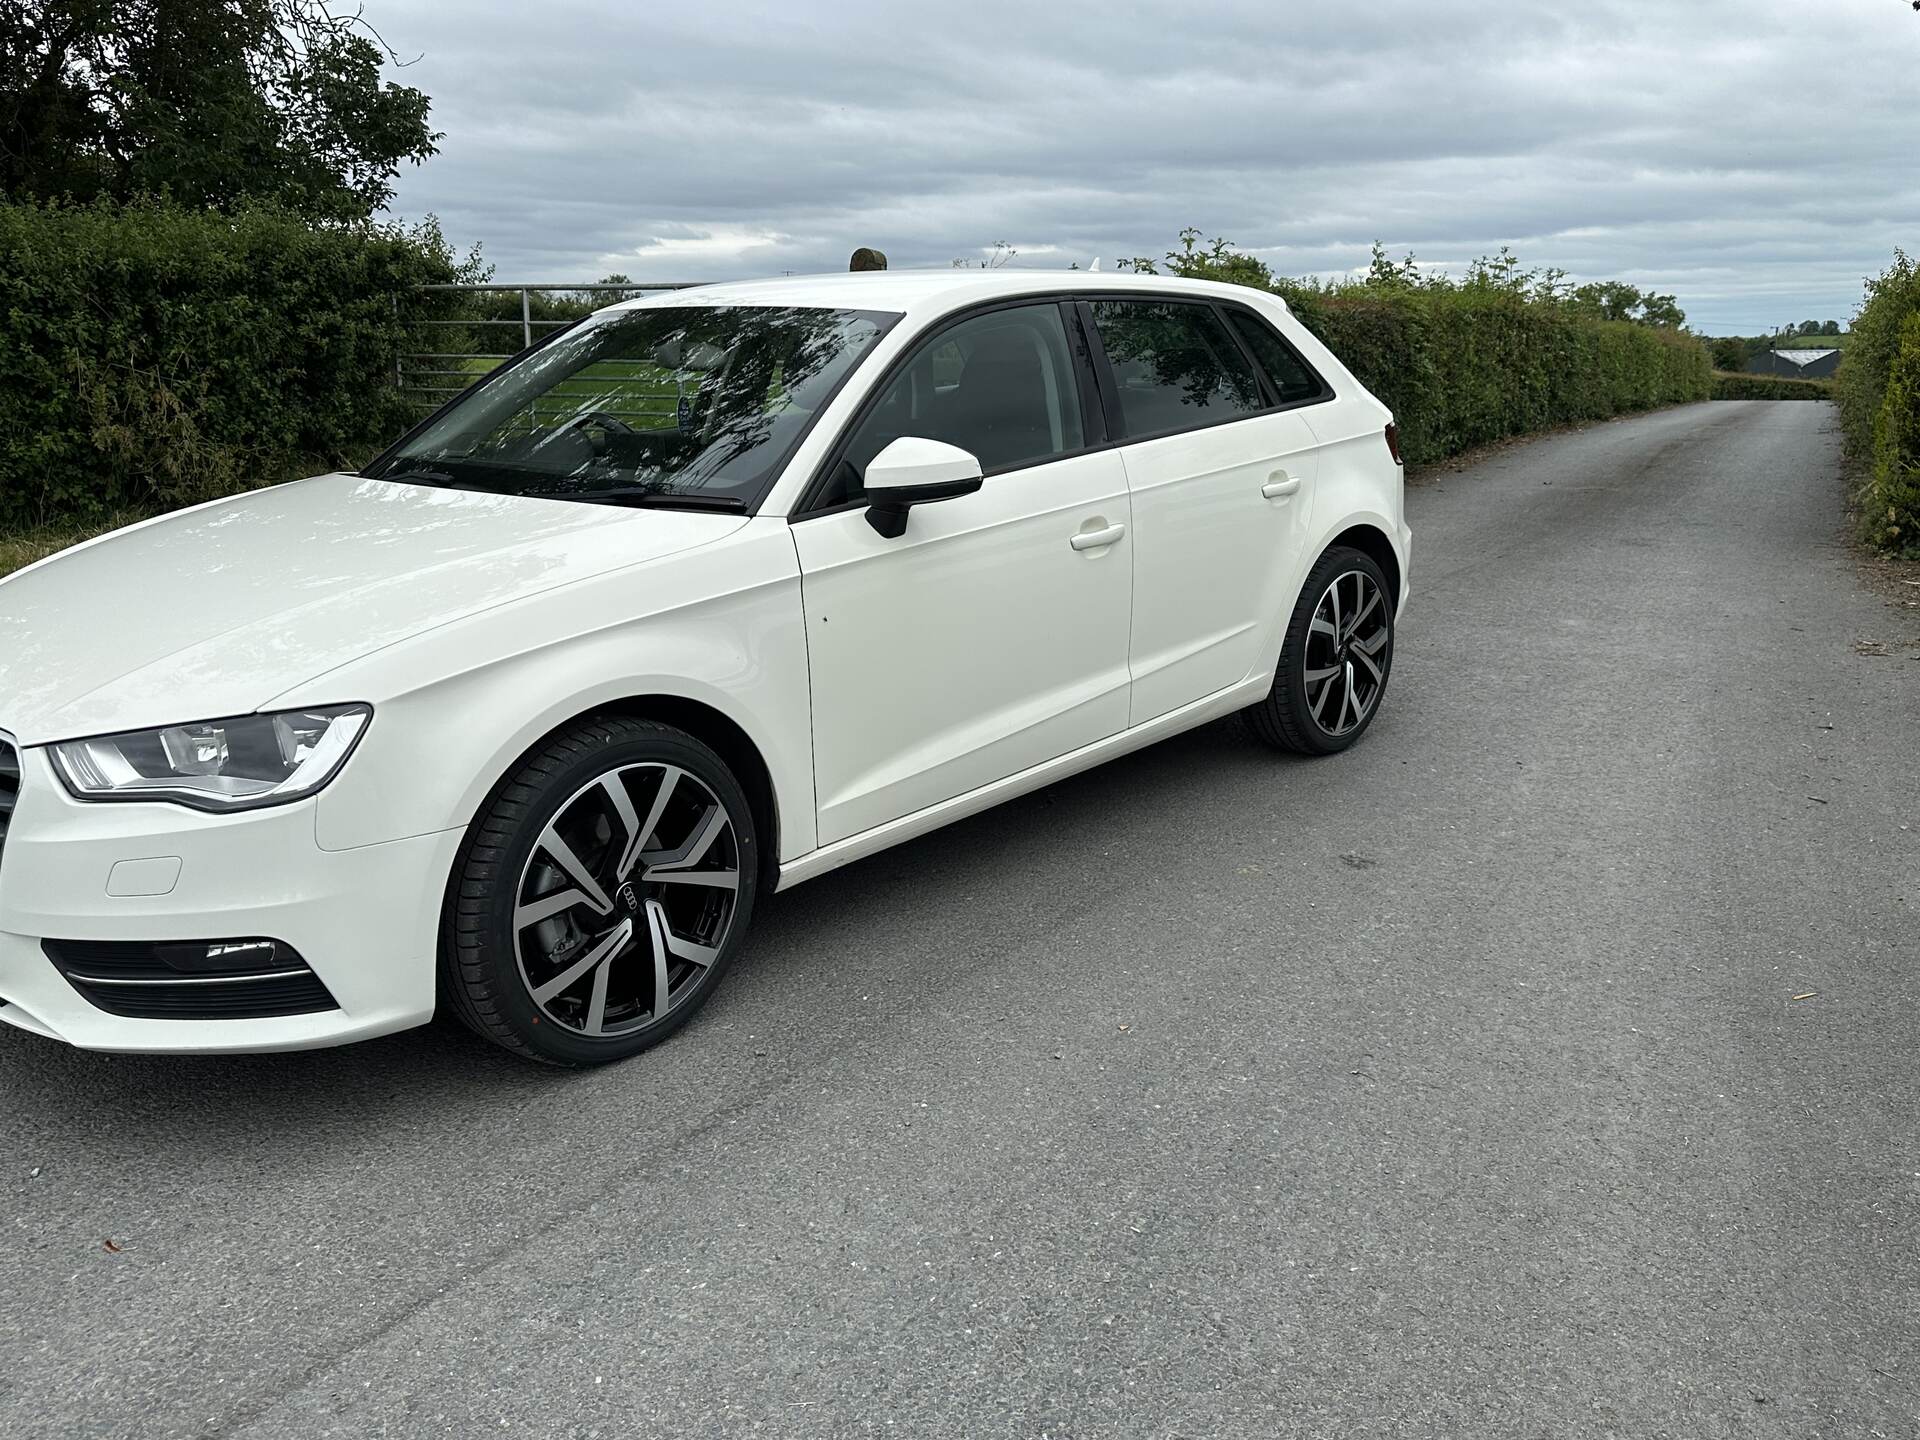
x,y
9,787
194,980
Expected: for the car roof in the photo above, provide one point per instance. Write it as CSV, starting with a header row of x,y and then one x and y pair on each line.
x,y
927,291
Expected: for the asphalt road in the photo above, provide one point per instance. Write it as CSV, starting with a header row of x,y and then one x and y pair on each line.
x,y
1545,1067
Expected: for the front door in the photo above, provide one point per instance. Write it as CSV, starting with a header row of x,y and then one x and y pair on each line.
x,y
992,636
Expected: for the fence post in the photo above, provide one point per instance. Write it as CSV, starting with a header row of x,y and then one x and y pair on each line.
x,y
526,320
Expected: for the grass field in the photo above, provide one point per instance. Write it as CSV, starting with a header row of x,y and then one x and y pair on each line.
x,y
22,548
644,395
1803,342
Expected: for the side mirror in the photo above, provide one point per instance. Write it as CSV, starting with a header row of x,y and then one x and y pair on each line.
x,y
910,472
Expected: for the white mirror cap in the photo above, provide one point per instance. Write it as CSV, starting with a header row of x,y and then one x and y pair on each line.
x,y
911,461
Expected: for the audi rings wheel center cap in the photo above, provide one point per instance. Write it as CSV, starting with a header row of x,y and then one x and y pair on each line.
x,y
627,898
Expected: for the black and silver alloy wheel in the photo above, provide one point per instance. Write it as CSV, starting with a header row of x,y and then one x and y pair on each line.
x,y
627,898
1335,660
1346,644
600,894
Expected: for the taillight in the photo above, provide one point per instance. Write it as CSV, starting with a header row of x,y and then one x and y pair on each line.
x,y
1393,442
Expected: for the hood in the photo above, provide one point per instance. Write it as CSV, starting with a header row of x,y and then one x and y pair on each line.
x,y
214,611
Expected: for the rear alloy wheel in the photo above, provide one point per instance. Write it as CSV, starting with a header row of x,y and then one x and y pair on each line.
x,y
1336,659
602,894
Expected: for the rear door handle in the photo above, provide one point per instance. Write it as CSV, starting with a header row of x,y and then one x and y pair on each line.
x,y
1097,539
1280,486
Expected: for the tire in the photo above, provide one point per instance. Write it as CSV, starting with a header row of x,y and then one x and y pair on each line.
x,y
1329,685
555,951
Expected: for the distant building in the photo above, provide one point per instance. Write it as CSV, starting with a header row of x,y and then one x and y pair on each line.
x,y
1806,364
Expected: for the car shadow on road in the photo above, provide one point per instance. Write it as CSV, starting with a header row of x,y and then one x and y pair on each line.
x,y
442,1072
306,1092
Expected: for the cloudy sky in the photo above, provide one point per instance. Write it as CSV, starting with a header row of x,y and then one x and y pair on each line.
x,y
1756,157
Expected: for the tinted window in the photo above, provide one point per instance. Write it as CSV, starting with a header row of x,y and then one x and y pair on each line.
x,y
1000,386
674,403
1176,365
1288,371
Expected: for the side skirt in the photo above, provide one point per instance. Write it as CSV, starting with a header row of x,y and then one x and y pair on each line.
x,y
908,827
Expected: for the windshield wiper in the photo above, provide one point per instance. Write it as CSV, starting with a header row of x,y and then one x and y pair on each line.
x,y
424,475
660,500
446,481
624,495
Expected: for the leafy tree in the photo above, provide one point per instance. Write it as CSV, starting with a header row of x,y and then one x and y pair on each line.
x,y
599,298
1385,273
1661,310
1216,260
1809,327
1729,353
1830,327
1501,271
214,103
1617,300
1608,299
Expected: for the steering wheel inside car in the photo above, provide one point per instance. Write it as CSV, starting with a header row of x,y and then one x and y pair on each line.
x,y
598,425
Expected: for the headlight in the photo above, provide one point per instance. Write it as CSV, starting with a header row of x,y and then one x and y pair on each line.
x,y
220,765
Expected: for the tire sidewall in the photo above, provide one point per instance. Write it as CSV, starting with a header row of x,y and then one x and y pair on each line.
x,y
1291,683
552,791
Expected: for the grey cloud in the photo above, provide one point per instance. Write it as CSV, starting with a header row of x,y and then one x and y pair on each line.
x,y
1629,138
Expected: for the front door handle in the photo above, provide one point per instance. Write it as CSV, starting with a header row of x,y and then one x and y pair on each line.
x,y
1097,539
1280,486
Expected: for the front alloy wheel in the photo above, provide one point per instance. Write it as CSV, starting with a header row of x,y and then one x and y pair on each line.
x,y
632,859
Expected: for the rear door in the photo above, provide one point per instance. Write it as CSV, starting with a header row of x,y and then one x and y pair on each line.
x,y
1220,466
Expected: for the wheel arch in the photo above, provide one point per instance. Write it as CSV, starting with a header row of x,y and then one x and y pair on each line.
x,y
706,723
1364,530
1371,540
730,741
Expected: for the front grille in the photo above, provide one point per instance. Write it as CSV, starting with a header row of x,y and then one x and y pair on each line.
x,y
9,787
198,980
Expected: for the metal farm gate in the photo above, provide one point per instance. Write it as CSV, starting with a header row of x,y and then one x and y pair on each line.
x,y
475,327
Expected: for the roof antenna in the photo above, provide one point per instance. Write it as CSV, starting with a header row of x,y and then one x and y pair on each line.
x,y
1095,265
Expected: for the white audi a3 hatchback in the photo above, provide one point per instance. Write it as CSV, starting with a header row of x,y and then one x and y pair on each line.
x,y
701,598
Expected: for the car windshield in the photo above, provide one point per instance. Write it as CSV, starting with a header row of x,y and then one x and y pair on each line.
x,y
672,405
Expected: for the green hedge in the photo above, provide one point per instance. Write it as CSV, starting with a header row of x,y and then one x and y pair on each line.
x,y
1880,405
152,356
1462,367
1728,385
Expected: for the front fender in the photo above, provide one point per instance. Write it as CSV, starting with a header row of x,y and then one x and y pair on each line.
x,y
456,708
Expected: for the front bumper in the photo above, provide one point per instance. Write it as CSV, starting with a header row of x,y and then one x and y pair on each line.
x,y
366,920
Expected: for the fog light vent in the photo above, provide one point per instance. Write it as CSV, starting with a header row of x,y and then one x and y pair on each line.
x,y
246,979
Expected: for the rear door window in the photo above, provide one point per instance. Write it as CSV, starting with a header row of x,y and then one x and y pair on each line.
x,y
1175,366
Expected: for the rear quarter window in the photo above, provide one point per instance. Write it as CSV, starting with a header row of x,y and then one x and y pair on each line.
x,y
1291,376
